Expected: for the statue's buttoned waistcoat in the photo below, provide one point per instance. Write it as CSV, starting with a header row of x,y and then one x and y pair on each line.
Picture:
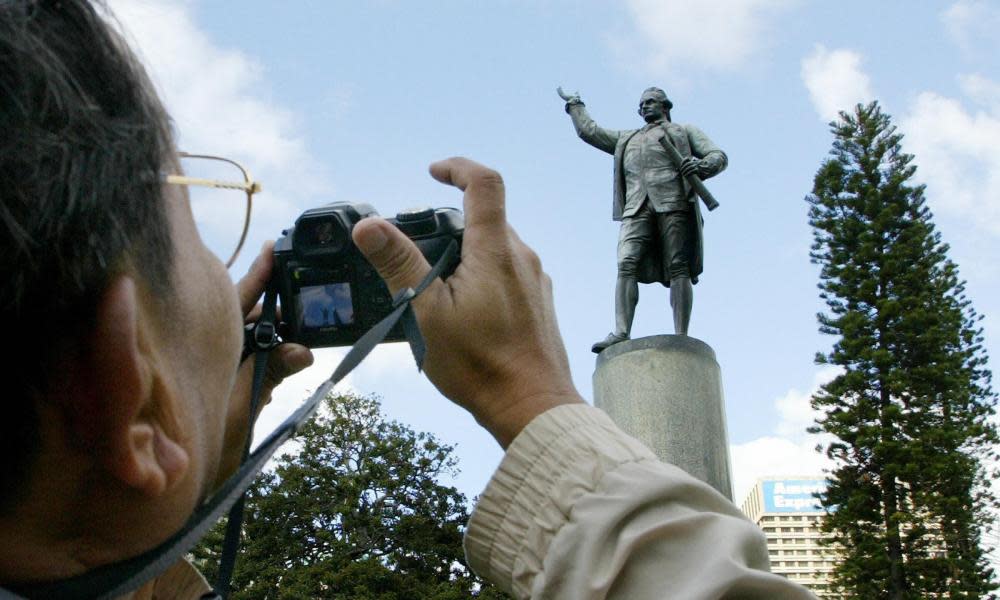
x,y
648,171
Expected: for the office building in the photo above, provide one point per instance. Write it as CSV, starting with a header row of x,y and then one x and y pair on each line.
x,y
788,512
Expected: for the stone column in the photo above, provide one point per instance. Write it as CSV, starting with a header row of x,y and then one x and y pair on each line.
x,y
666,390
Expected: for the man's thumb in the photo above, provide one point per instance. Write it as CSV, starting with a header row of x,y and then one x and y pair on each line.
x,y
396,258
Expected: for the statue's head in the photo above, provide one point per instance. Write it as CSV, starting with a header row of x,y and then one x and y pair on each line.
x,y
654,105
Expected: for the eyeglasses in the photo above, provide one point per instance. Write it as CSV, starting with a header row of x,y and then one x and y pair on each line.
x,y
212,181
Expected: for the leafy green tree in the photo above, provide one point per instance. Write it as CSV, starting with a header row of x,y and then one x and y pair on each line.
x,y
356,511
909,414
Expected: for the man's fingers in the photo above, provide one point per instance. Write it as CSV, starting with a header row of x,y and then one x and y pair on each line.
x,y
484,191
251,286
394,256
286,360
254,315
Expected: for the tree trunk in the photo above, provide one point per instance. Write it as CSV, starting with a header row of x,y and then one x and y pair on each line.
x,y
897,576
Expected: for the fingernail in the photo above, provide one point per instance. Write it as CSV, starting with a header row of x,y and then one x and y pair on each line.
x,y
373,239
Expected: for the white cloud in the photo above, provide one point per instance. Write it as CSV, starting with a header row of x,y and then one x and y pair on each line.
x,y
791,451
972,24
773,457
213,93
981,90
690,35
794,410
220,102
955,144
835,81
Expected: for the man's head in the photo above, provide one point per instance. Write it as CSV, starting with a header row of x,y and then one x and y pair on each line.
x,y
126,329
654,105
82,142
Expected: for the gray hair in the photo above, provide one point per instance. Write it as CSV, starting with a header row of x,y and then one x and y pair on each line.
x,y
83,139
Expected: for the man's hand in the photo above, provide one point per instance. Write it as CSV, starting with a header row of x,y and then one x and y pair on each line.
x,y
285,360
692,166
493,345
570,98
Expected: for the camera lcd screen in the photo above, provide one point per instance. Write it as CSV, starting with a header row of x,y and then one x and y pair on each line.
x,y
325,306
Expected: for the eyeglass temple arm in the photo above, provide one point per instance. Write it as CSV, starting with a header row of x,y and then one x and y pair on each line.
x,y
247,186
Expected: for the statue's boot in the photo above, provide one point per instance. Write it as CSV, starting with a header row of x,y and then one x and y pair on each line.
x,y
612,339
681,300
626,297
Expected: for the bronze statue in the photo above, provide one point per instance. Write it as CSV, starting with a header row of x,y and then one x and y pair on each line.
x,y
658,169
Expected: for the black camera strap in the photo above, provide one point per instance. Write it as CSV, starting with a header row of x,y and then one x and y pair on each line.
x,y
264,337
117,579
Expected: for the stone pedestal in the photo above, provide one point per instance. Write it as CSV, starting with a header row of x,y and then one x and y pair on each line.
x,y
666,390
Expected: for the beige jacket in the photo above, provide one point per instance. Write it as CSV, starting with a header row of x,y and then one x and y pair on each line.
x,y
579,510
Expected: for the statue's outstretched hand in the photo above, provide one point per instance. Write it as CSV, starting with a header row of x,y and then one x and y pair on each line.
x,y
574,97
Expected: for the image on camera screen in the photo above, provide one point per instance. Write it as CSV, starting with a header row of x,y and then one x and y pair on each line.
x,y
325,306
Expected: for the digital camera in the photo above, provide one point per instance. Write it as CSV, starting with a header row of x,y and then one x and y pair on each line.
x,y
330,295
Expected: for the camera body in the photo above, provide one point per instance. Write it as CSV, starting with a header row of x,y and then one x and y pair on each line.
x,y
330,294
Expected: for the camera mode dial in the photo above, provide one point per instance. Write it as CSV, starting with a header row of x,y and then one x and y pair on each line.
x,y
417,221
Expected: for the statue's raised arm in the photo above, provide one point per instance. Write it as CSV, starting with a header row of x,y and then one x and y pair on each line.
x,y
590,132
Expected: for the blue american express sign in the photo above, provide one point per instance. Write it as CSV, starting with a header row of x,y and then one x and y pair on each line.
x,y
792,495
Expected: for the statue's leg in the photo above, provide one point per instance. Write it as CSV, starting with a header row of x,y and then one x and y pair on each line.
x,y
674,233
626,298
634,237
681,300
633,240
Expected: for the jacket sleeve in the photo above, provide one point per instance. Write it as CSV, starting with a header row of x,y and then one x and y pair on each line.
x,y
598,137
578,510
713,158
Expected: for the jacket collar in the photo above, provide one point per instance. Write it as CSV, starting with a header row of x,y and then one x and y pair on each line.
x,y
658,123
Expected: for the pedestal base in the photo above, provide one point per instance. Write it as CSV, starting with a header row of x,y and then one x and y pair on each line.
x,y
666,391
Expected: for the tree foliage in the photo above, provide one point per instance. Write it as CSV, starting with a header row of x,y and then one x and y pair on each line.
x,y
356,511
909,414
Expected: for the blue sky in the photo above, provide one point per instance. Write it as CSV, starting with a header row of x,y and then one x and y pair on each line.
x,y
330,101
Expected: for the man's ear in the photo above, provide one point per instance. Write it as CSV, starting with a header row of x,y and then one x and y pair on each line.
x,y
129,413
